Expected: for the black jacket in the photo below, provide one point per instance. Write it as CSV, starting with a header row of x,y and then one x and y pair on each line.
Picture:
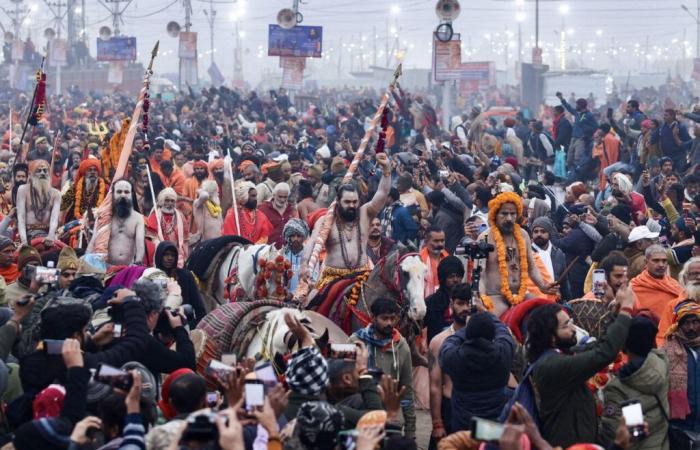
x,y
38,370
190,291
436,304
563,134
479,370
160,359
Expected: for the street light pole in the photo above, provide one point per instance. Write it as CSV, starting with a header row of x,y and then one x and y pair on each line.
x,y
696,18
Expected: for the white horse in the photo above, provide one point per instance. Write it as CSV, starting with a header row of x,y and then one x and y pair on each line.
x,y
244,260
273,336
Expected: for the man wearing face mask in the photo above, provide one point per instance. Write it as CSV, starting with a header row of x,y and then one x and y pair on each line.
x,y
166,223
126,233
278,211
38,206
252,224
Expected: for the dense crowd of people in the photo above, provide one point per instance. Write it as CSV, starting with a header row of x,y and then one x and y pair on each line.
x,y
558,295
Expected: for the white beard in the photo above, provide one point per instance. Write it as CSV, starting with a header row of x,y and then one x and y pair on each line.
x,y
90,184
167,210
41,187
693,290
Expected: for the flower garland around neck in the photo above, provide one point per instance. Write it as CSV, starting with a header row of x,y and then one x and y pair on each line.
x,y
101,190
214,209
494,206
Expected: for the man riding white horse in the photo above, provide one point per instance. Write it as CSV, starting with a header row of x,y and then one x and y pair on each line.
x,y
347,241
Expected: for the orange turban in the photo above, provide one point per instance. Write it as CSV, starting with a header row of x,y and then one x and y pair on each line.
x,y
87,164
200,164
33,165
245,164
216,164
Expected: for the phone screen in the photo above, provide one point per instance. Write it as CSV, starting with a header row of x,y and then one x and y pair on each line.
x,y
229,359
114,377
266,374
53,346
598,282
486,430
254,395
117,330
633,414
343,351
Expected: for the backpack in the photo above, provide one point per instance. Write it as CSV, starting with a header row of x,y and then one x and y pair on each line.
x,y
526,394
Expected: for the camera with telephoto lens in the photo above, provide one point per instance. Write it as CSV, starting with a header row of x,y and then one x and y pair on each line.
x,y
163,324
474,249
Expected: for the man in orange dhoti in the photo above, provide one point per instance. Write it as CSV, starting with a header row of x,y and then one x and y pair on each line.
x,y
653,287
172,225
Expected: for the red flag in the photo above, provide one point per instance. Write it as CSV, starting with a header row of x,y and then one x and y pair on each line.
x,y
39,105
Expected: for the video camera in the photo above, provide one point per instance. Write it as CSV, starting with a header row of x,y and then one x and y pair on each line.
x,y
163,324
474,249
201,428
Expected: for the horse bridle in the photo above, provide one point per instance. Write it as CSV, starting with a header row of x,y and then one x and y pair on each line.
x,y
395,284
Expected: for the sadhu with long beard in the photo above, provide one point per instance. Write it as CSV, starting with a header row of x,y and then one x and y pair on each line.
x,y
38,206
88,191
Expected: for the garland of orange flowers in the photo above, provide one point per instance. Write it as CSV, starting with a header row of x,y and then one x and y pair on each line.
x,y
101,190
495,205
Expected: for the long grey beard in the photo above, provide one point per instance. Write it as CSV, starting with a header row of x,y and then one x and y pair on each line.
x,y
41,189
90,184
693,291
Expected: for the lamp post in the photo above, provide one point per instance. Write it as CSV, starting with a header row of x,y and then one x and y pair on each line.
x,y
520,18
696,18
563,10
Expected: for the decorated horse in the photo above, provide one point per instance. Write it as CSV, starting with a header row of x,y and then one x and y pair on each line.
x,y
400,275
230,268
258,330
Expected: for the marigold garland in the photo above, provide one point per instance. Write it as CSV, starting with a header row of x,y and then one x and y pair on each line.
x,y
494,206
214,209
101,190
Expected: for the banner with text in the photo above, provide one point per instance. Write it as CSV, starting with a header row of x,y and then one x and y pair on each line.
x,y
476,76
293,72
298,41
188,45
117,48
447,58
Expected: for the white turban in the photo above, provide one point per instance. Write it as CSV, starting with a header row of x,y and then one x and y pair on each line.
x,y
624,183
165,194
281,187
242,189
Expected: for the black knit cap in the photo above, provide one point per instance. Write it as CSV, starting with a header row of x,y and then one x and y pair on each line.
x,y
641,338
480,325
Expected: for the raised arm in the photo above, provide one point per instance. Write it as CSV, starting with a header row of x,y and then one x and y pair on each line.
x,y
379,200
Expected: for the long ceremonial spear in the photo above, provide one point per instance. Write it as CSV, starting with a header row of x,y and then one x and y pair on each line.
x,y
229,169
104,213
303,287
41,81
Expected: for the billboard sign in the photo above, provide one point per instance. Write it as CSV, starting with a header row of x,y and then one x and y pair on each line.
x,y
298,41
447,58
117,48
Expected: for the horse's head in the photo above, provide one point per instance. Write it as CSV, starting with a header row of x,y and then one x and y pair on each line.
x,y
278,339
412,281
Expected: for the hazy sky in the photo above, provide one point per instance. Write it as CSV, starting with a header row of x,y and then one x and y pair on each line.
x,y
489,31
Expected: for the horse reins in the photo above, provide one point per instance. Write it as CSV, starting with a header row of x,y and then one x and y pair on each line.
x,y
395,284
